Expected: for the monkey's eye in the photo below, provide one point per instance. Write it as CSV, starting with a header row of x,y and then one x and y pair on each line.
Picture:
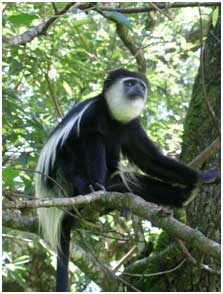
x,y
130,83
143,86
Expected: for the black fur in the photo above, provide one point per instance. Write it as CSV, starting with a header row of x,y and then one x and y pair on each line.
x,y
91,157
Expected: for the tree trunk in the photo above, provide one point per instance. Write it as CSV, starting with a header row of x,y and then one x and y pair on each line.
x,y
200,131
204,212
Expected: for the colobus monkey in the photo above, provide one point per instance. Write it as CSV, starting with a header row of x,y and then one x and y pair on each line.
x,y
84,151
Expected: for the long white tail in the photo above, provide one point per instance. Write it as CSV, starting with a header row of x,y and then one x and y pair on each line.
x,y
50,218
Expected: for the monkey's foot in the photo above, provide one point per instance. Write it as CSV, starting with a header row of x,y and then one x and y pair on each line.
x,y
210,176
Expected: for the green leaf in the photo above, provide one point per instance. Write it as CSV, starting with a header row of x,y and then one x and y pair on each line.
x,y
22,18
67,88
19,279
8,176
215,16
22,259
119,17
61,4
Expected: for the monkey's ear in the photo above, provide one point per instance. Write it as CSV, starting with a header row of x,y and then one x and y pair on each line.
x,y
210,176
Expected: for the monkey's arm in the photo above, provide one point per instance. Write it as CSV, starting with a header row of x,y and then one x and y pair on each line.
x,y
95,160
141,151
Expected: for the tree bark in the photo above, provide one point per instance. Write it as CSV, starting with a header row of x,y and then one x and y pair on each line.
x,y
204,212
200,131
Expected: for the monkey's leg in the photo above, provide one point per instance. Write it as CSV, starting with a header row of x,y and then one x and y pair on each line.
x,y
150,189
63,255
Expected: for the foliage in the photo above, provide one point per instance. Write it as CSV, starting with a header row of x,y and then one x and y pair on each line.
x,y
68,65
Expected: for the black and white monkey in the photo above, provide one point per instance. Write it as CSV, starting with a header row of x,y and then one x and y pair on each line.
x,y
84,151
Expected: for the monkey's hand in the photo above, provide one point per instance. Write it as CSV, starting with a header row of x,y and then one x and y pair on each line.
x,y
209,176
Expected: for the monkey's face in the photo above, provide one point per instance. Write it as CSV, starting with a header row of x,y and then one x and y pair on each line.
x,y
134,88
126,98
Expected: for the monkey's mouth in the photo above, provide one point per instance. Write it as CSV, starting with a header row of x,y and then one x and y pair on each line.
x,y
135,93
135,97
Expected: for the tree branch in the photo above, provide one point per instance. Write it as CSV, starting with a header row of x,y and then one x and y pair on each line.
x,y
156,273
53,96
18,222
36,31
42,28
203,157
160,6
137,52
124,35
156,214
55,8
161,11
124,259
192,260
142,265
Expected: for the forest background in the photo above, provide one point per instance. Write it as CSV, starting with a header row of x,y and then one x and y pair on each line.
x,y
56,55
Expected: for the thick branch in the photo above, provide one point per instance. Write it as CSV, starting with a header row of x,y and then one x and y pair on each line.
x,y
18,222
156,214
206,154
38,30
165,5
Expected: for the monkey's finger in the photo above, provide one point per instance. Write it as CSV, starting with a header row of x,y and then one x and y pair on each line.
x,y
101,187
91,188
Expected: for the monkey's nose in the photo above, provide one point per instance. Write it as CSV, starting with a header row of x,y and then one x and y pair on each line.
x,y
135,92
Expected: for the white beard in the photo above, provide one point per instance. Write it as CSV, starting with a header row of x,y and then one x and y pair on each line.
x,y
122,108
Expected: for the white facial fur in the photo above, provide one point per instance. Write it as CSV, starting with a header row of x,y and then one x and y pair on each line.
x,y
122,108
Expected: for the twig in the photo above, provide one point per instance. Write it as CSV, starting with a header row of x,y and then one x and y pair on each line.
x,y
45,175
15,238
216,38
155,6
6,6
199,160
109,275
193,260
124,258
19,82
210,109
15,194
124,35
38,30
185,251
52,94
158,273
128,284
56,10
54,181
142,265
104,235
